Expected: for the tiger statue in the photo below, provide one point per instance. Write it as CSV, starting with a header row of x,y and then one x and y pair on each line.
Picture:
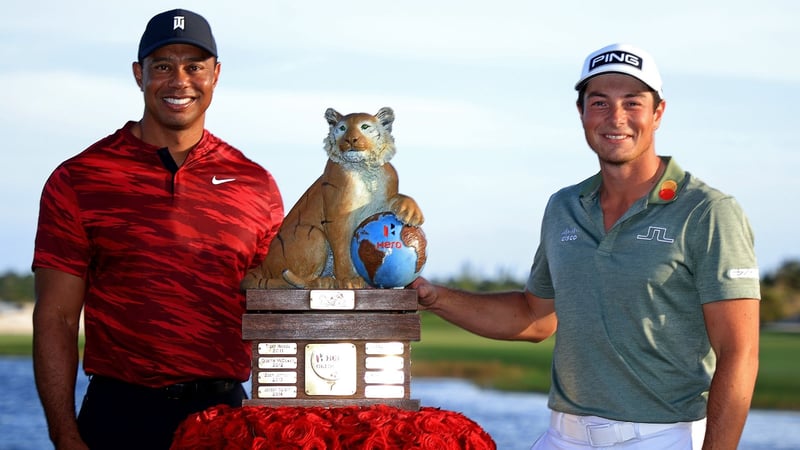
x,y
312,247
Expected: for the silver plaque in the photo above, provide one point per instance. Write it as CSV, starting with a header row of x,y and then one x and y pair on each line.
x,y
277,377
277,348
384,362
330,299
384,391
384,377
384,348
277,363
330,369
277,391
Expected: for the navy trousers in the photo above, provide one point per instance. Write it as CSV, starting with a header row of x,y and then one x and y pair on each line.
x,y
120,416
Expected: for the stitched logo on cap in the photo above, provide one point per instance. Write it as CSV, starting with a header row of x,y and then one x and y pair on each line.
x,y
615,57
177,22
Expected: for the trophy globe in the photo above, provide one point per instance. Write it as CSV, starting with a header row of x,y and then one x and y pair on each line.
x,y
388,253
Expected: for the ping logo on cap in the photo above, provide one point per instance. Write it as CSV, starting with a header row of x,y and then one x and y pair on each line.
x,y
615,57
177,22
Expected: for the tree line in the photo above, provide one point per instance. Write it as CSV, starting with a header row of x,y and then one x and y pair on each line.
x,y
780,290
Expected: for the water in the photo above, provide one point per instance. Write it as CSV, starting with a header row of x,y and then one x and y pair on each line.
x,y
514,420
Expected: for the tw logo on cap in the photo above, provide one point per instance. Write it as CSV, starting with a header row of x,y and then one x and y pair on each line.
x,y
178,22
615,57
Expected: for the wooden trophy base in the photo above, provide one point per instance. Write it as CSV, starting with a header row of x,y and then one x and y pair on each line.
x,y
331,348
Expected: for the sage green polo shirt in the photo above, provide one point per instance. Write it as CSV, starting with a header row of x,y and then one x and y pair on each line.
x,y
631,342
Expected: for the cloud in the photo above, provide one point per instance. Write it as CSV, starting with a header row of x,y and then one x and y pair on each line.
x,y
485,120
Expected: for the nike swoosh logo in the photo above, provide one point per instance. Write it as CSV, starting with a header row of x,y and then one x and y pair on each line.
x,y
216,180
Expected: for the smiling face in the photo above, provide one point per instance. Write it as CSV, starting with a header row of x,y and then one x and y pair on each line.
x,y
178,83
620,118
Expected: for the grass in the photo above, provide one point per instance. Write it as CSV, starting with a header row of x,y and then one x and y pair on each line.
x,y
21,344
778,383
16,345
448,351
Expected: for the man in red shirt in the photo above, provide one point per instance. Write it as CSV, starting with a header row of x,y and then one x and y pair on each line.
x,y
150,231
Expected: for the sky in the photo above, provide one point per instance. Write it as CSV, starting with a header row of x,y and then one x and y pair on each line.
x,y
485,120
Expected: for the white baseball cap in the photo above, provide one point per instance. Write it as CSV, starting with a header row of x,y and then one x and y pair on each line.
x,y
622,58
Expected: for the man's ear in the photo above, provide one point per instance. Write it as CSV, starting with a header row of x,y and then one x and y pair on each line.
x,y
217,69
659,113
137,74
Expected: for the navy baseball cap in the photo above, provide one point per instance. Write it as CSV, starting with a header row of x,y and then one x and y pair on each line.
x,y
177,26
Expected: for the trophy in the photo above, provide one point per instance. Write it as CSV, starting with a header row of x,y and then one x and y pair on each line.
x,y
327,324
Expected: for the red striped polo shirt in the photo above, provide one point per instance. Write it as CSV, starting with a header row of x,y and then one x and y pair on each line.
x,y
162,254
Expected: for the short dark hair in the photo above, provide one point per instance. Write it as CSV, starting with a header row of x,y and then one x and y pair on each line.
x,y
656,98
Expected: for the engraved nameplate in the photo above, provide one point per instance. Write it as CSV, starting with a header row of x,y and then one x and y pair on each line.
x,y
277,363
277,377
384,348
384,362
384,377
277,348
331,299
382,391
330,369
277,391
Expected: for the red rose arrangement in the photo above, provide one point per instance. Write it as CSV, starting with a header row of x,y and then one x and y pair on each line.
x,y
318,428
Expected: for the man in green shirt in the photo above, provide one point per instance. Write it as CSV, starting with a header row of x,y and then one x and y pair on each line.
x,y
646,275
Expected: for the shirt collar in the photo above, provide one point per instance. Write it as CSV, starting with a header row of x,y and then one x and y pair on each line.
x,y
664,191
200,148
671,183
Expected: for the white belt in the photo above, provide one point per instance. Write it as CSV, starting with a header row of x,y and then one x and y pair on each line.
x,y
599,432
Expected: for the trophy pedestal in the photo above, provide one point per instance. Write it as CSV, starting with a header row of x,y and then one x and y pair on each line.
x,y
331,348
